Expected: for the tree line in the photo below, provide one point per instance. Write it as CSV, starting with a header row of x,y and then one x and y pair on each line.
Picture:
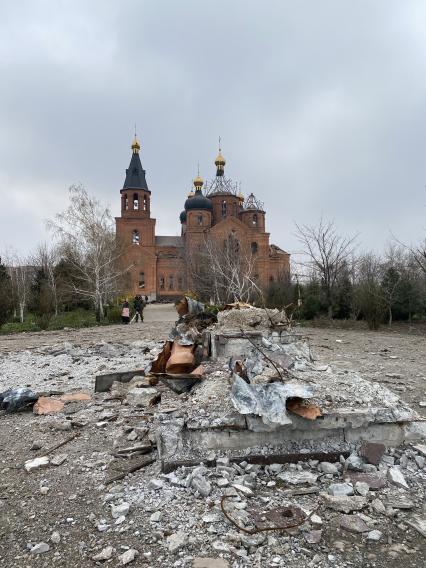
x,y
84,266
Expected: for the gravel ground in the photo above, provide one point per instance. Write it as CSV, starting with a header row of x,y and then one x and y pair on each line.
x,y
72,500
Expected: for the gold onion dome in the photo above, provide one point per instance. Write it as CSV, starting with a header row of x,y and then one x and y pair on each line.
x,y
135,145
198,182
240,196
220,160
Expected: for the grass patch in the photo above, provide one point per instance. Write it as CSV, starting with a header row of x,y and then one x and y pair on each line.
x,y
74,319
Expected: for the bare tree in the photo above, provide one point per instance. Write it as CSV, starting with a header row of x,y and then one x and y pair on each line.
x,y
21,275
87,242
46,258
327,253
224,272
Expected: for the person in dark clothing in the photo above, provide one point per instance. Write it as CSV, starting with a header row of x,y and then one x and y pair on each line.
x,y
125,312
139,305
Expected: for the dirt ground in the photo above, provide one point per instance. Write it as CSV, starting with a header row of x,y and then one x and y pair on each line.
x,y
74,502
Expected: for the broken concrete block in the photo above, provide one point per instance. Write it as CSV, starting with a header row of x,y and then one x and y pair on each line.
x,y
40,548
395,476
142,396
341,489
327,467
418,523
344,504
104,554
353,523
36,463
128,556
201,485
375,535
59,459
372,452
119,510
177,541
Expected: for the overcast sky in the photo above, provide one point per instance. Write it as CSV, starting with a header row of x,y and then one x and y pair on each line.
x,y
321,106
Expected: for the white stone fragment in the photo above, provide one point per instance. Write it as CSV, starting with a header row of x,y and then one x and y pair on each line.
x,y
36,463
395,476
40,548
104,554
128,556
119,510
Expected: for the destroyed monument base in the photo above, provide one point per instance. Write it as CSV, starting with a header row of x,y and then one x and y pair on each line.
x,y
258,396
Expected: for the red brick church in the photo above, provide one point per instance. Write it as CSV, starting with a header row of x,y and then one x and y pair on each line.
x,y
160,264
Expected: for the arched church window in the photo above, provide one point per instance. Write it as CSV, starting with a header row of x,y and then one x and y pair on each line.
x,y
255,220
126,202
235,209
200,219
254,248
180,282
141,279
136,238
171,282
145,203
135,201
224,208
161,282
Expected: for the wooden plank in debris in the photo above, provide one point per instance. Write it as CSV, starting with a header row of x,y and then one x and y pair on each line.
x,y
104,382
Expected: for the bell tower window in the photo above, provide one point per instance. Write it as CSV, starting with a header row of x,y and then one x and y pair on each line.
x,y
126,202
136,237
135,201
224,208
145,203
255,220
254,248
200,219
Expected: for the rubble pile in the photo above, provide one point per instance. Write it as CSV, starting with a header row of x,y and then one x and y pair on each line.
x,y
227,445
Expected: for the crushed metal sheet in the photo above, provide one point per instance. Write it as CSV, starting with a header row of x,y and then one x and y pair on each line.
x,y
268,400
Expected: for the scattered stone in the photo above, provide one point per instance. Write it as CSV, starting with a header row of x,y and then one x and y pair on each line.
x,y
341,489
395,476
344,504
353,523
61,425
36,463
362,488
421,449
374,481
295,477
378,506
316,520
400,502
40,548
222,482
418,523
327,467
372,452
119,510
44,490
354,462
156,484
313,537
59,459
156,517
128,556
420,461
176,541
375,535
201,485
243,489
210,563
142,396
36,445
55,537
104,554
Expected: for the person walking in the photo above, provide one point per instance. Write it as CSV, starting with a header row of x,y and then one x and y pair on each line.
x,y
125,312
139,305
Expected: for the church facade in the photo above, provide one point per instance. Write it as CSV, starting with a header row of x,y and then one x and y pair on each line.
x,y
160,266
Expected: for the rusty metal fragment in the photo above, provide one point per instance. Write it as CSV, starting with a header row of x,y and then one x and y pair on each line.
x,y
303,408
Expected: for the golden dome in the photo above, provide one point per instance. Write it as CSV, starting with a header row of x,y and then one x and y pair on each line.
x,y
220,160
135,145
240,196
198,181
